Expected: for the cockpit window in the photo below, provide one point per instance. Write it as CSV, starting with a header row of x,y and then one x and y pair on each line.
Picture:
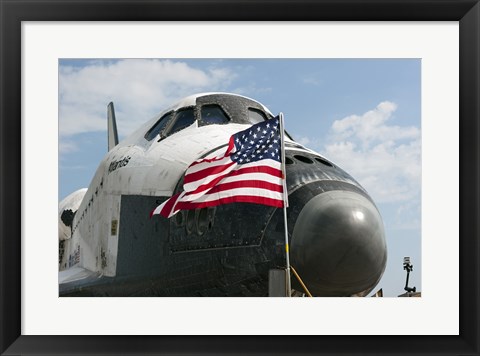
x,y
183,119
213,114
158,127
255,116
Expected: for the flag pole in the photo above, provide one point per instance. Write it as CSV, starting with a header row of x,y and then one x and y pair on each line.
x,y
285,205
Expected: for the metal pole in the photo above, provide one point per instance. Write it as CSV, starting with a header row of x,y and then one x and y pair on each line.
x,y
406,282
301,282
285,205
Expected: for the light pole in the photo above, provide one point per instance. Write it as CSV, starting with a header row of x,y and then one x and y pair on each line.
x,y
408,267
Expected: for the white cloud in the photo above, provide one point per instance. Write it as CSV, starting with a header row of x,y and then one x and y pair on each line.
x,y
372,126
408,216
73,168
311,81
251,90
138,87
303,140
67,146
385,159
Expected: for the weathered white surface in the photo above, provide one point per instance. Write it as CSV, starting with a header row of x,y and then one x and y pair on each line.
x,y
73,274
70,202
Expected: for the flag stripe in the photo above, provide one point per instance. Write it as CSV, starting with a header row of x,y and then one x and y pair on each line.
x,y
166,207
210,171
208,180
245,176
270,166
236,199
275,172
267,172
231,146
259,192
260,184
225,160
207,163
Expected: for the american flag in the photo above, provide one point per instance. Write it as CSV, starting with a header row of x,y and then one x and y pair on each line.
x,y
250,171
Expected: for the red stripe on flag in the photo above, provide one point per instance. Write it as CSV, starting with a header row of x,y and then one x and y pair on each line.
x,y
258,169
246,184
206,160
231,145
169,206
235,199
192,177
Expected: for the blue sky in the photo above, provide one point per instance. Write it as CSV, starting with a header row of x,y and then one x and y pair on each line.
x,y
363,114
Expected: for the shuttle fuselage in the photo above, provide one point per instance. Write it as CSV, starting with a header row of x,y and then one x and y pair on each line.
x,y
111,247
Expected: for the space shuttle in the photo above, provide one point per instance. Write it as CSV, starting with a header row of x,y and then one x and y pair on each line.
x,y
109,245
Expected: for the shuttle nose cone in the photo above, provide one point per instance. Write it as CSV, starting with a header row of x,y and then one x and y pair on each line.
x,y
338,245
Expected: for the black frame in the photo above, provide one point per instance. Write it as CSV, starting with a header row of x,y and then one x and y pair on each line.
x,y
467,12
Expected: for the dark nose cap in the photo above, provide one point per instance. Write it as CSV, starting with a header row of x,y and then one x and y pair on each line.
x,y
338,245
